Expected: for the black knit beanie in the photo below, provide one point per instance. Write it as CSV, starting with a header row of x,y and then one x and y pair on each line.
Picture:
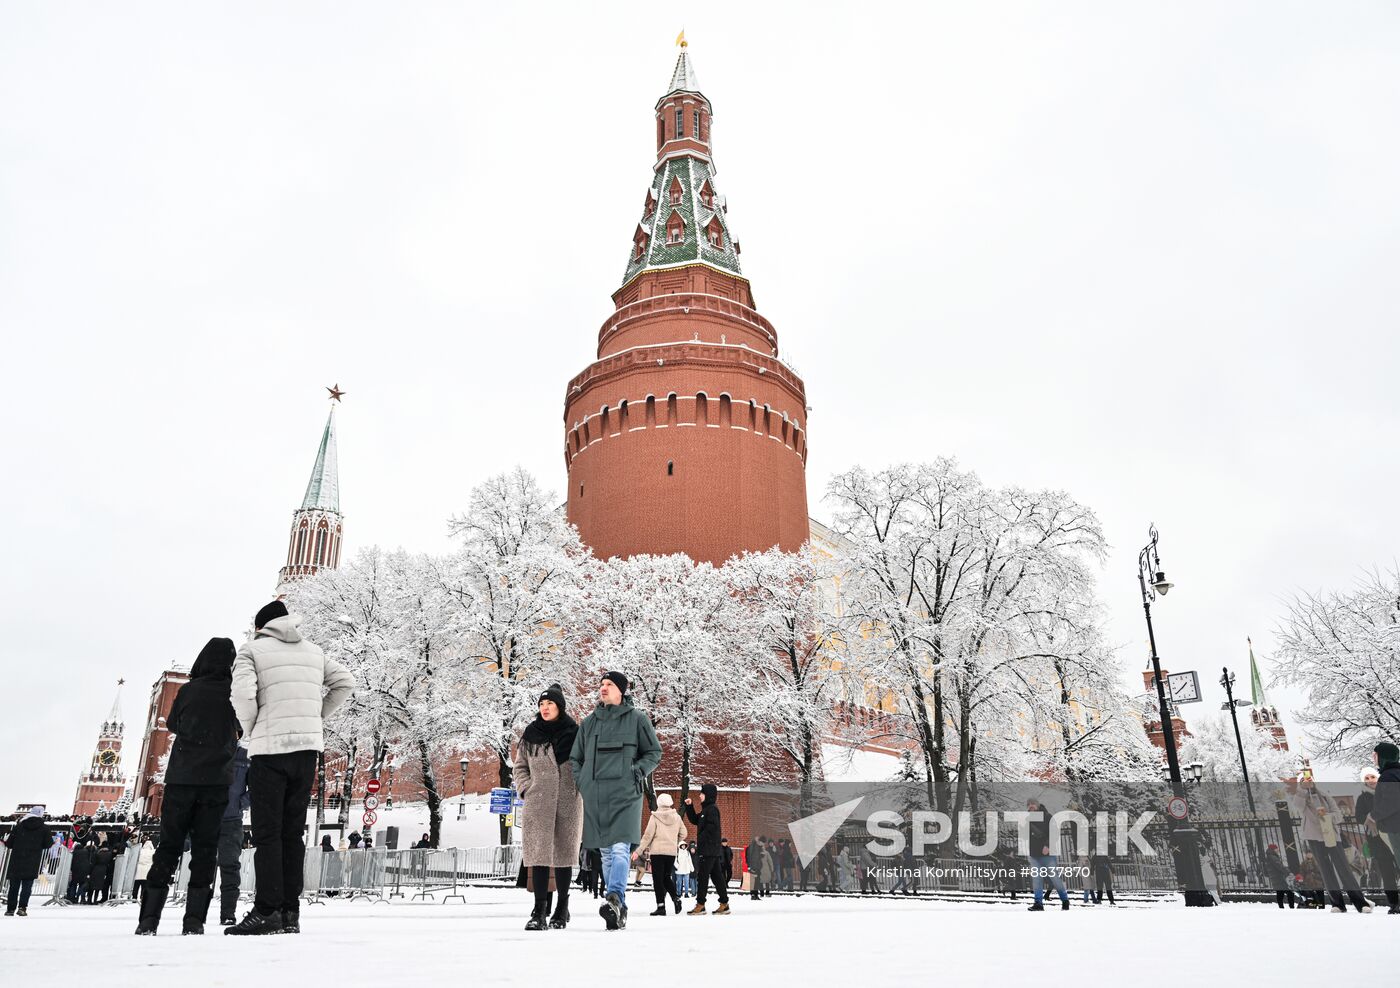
x,y
269,612
554,694
618,680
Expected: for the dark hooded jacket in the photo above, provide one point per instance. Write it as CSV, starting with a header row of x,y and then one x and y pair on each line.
x,y
27,843
83,856
1386,809
202,720
708,829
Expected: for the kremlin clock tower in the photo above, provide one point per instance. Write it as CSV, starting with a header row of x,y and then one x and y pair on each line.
x,y
687,433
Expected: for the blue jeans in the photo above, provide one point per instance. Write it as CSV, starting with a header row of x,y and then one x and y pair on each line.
x,y
617,862
1038,881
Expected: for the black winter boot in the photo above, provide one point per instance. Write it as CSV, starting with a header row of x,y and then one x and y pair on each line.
x,y
196,910
291,919
152,902
560,919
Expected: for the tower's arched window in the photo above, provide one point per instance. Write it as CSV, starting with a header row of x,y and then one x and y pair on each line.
x,y
675,228
622,415
676,191
651,411
680,123
670,468
702,409
671,408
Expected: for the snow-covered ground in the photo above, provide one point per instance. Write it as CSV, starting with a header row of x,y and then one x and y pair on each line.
x,y
780,941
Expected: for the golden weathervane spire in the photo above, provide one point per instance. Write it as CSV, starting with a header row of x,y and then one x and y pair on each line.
x,y
680,39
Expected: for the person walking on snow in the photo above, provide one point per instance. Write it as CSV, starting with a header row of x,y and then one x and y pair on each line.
x,y
553,808
231,839
663,837
27,842
283,689
685,870
1043,863
704,814
614,752
197,778
1384,810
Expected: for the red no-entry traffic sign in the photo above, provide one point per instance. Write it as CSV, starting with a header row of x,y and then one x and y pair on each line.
x,y
372,786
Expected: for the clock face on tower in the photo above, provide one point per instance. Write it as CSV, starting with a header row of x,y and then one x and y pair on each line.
x,y
108,757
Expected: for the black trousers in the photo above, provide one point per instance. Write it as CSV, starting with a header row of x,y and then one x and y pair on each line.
x,y
1102,884
193,812
230,875
663,877
1282,894
1337,875
280,787
710,868
18,895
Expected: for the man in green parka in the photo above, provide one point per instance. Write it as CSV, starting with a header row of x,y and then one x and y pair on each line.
x,y
614,751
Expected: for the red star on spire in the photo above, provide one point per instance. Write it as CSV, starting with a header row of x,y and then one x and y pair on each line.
x,y
335,391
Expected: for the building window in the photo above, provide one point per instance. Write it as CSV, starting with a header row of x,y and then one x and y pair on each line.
x,y
580,490
680,123
670,468
676,192
695,125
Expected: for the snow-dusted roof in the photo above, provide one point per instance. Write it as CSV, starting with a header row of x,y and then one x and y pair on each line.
x,y
683,79
323,489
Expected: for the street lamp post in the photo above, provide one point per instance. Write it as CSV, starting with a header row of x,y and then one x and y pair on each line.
x,y
462,803
1153,581
1227,680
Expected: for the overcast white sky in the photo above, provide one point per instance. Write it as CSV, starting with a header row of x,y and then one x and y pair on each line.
x,y
1146,253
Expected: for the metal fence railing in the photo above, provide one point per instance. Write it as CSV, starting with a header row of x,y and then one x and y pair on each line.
x,y
376,875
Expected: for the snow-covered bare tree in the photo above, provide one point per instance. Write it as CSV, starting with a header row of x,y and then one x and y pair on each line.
x,y
511,586
1212,743
1344,650
386,617
963,588
673,628
794,641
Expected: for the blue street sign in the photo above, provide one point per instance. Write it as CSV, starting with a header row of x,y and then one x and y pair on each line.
x,y
501,800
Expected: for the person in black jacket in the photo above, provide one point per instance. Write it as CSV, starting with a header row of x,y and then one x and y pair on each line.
x,y
28,842
100,877
709,850
79,868
728,860
197,781
1044,863
1277,873
1384,810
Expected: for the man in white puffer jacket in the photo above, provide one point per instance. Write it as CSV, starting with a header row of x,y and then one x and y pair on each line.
x,y
283,688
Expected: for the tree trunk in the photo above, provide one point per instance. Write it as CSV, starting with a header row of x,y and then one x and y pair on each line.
x,y
505,775
434,797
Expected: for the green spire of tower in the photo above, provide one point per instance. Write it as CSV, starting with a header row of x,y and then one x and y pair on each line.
x,y
1256,682
684,218
323,489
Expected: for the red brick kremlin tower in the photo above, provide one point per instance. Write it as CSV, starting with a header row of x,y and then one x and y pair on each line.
x,y
102,786
687,433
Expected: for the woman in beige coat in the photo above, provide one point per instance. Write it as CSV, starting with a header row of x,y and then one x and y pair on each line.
x,y
553,813
664,834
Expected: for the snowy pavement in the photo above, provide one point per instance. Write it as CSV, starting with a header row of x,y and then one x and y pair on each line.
x,y
784,941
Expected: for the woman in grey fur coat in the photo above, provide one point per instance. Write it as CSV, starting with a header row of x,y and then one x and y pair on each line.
x,y
553,824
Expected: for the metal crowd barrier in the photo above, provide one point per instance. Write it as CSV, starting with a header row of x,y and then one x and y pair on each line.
x,y
375,875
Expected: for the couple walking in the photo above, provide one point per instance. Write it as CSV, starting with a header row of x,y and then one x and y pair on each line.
x,y
587,782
